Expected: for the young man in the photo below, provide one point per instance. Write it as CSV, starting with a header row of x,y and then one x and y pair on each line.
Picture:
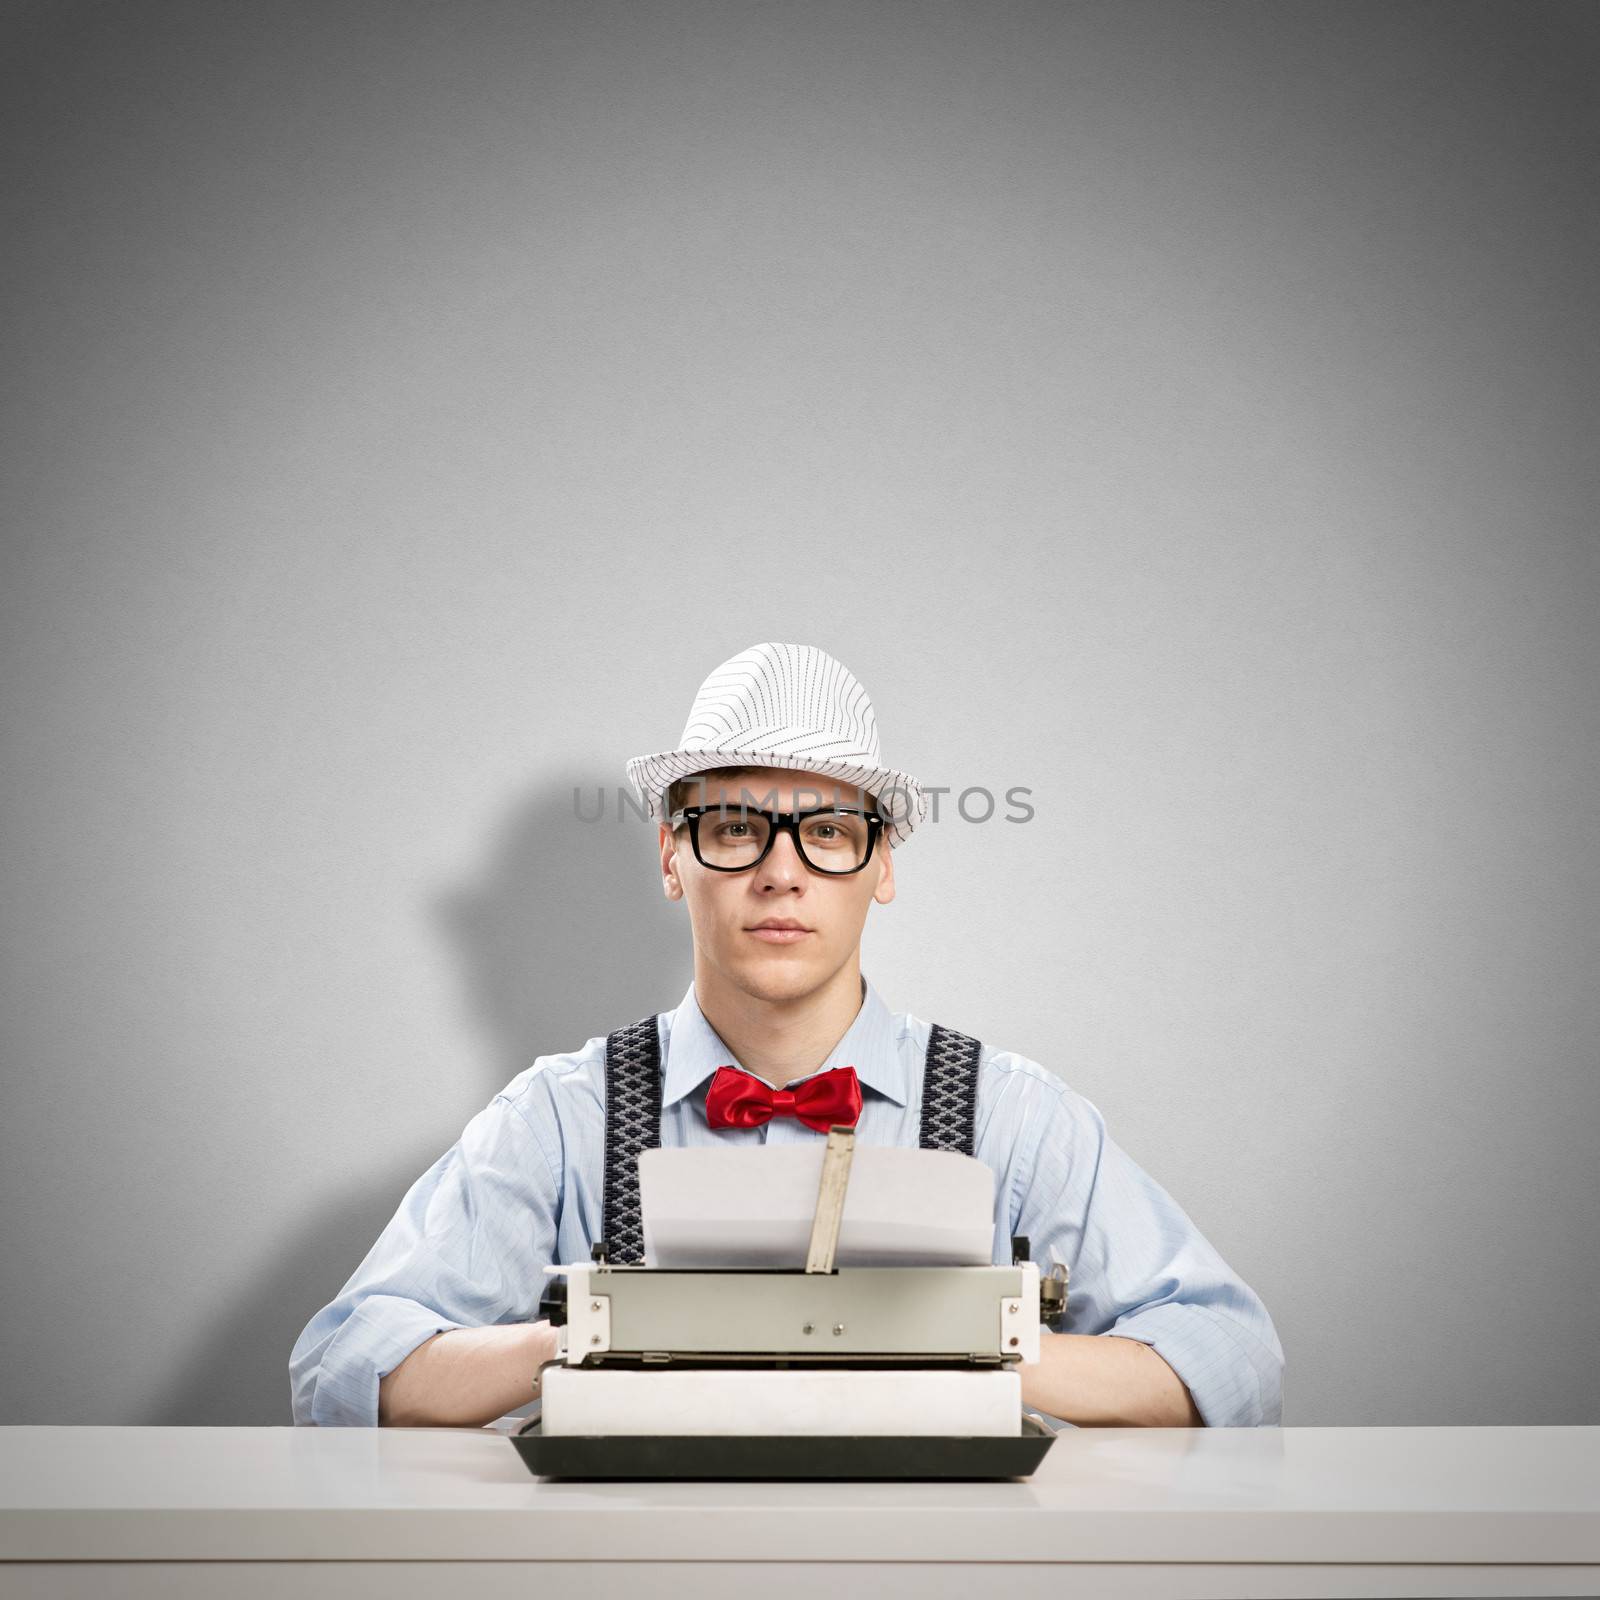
x,y
778,823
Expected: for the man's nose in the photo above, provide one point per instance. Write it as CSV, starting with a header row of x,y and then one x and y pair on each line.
x,y
782,862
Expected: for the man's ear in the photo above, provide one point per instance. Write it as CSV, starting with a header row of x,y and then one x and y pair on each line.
x,y
884,893
671,884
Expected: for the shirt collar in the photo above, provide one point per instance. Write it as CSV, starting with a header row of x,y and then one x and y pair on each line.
x,y
695,1051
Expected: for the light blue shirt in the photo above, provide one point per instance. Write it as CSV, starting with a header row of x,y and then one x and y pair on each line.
x,y
521,1189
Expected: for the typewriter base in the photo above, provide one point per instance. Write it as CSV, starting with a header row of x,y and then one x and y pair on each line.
x,y
724,1457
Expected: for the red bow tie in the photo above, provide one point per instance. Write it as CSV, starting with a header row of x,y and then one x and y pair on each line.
x,y
736,1099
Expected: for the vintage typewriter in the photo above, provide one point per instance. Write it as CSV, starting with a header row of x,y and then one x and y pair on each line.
x,y
825,1371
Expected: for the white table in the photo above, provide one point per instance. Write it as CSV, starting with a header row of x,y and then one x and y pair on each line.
x,y
347,1512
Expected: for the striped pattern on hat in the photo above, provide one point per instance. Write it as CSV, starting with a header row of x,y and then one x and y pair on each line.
x,y
791,706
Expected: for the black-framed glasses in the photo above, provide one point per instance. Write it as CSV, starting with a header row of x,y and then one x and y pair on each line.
x,y
831,839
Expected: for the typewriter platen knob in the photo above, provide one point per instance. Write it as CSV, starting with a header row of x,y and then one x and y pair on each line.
x,y
1053,1298
553,1302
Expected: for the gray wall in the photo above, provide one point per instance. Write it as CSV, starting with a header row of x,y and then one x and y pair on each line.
x,y
1192,408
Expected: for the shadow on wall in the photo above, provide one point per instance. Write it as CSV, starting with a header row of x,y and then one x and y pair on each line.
x,y
565,935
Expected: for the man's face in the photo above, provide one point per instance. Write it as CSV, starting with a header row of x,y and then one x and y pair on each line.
x,y
726,907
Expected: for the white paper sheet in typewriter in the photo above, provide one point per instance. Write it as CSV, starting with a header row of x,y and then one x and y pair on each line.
x,y
754,1207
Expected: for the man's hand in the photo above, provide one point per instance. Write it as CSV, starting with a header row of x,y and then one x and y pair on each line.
x,y
466,1377
1102,1381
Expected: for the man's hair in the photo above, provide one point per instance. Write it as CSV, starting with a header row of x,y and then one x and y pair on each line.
x,y
687,791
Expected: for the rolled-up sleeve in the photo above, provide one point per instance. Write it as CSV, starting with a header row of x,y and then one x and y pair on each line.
x,y
467,1248
1139,1268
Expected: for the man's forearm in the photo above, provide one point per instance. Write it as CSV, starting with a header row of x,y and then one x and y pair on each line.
x,y
1102,1381
466,1377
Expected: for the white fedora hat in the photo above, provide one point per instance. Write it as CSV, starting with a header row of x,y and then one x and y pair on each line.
x,y
790,706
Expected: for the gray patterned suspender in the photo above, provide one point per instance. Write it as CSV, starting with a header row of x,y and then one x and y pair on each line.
x,y
633,1118
633,1123
950,1091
